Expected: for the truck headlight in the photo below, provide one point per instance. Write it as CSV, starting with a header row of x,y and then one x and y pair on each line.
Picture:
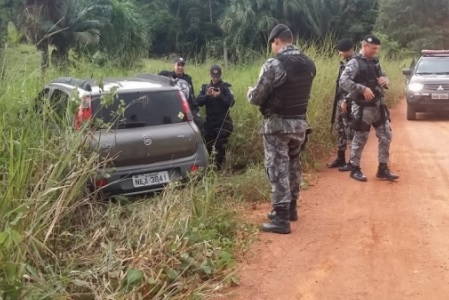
x,y
415,87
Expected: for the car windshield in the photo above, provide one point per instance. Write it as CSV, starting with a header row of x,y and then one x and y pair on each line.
x,y
433,65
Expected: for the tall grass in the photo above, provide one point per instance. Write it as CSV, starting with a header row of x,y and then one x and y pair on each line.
x,y
57,243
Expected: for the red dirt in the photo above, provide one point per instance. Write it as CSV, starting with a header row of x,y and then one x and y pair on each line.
x,y
373,240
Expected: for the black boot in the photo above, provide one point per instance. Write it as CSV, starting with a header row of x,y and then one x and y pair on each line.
x,y
384,173
280,223
293,212
347,167
357,174
340,161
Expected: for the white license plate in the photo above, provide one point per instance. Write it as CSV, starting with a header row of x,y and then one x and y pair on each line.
x,y
440,96
151,179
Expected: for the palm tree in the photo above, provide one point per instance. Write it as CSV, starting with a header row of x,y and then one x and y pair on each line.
x,y
245,21
128,36
60,23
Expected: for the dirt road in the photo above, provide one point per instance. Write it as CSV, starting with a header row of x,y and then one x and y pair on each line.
x,y
373,240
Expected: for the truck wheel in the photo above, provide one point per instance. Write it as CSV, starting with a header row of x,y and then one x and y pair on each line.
x,y
411,113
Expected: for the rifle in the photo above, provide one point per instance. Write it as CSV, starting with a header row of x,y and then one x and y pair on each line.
x,y
334,107
384,112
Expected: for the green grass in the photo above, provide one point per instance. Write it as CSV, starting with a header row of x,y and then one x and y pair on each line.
x,y
56,243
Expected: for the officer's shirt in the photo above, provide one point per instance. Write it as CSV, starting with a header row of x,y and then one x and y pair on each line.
x,y
217,109
184,86
191,98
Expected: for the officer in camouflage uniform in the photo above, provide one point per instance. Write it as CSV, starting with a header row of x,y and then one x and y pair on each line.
x,y
282,93
345,132
365,80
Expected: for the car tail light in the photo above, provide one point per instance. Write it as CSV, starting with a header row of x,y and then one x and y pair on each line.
x,y
186,107
101,182
84,112
194,168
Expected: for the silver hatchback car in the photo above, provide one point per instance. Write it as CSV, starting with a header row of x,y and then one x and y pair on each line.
x,y
146,129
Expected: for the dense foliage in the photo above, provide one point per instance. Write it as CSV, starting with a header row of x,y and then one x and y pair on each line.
x,y
124,30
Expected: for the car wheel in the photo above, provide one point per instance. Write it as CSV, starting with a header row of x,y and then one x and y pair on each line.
x,y
411,113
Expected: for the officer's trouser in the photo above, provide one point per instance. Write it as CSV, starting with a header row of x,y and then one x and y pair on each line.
x,y
283,166
371,117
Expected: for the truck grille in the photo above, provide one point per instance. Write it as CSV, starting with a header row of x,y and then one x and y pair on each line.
x,y
435,87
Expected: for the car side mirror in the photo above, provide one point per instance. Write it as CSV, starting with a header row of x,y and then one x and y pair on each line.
x,y
407,72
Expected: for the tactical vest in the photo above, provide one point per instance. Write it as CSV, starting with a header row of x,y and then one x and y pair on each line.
x,y
292,97
367,75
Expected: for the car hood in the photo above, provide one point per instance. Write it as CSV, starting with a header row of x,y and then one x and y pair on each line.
x,y
432,78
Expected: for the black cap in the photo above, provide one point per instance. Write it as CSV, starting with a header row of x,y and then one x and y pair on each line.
x,y
277,31
371,39
345,45
179,60
215,71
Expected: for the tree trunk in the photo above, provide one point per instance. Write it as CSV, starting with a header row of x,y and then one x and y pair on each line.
x,y
210,11
60,57
225,54
43,49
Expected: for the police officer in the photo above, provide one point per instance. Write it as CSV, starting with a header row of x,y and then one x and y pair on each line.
x,y
181,83
218,99
282,93
179,72
365,80
345,132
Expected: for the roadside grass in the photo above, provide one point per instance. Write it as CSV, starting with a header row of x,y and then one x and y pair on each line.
x,y
56,242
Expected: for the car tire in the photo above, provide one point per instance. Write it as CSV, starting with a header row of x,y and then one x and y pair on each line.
x,y
411,113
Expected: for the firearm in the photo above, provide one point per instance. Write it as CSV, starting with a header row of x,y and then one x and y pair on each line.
x,y
337,87
384,112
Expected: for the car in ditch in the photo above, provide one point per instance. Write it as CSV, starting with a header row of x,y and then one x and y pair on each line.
x,y
427,83
152,143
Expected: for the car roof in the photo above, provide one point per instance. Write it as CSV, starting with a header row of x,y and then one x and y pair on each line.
x,y
140,82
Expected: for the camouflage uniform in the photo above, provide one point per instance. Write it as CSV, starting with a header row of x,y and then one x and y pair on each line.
x,y
344,120
282,138
345,131
371,116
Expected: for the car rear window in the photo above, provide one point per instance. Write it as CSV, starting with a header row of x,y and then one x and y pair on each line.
x,y
433,65
140,109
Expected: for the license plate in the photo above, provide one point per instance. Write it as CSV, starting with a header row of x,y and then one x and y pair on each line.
x,y
150,179
440,96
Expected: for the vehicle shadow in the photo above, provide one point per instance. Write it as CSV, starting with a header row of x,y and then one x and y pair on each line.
x,y
432,117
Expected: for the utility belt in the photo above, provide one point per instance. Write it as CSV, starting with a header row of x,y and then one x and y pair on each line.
x,y
294,117
359,125
363,103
